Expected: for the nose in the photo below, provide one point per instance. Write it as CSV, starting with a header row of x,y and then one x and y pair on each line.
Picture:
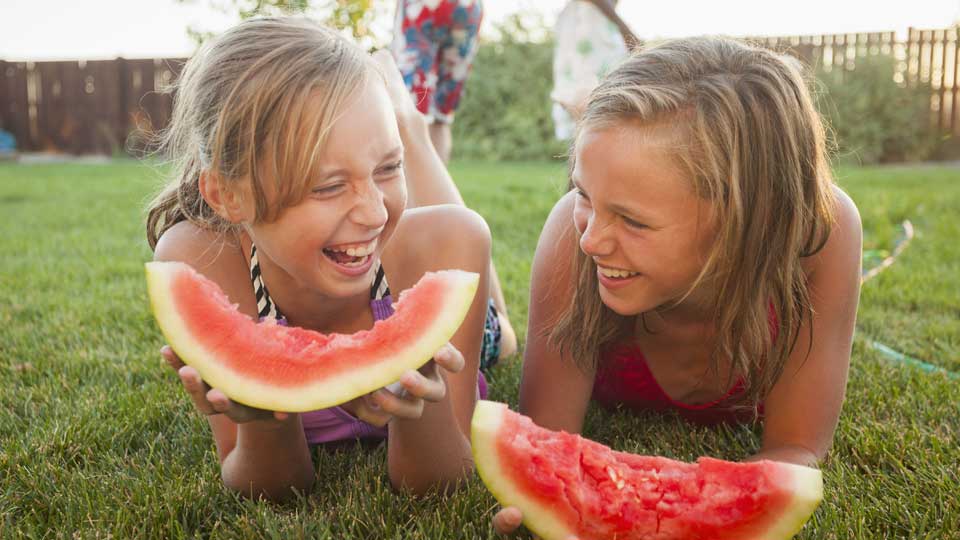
x,y
369,209
597,238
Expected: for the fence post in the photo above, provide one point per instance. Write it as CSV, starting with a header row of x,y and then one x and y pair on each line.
x,y
943,82
908,78
123,118
956,81
4,104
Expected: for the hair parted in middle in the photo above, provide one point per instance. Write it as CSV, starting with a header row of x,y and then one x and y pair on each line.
x,y
751,142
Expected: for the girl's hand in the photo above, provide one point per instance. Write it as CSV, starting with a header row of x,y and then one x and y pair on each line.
x,y
508,520
425,384
399,95
210,401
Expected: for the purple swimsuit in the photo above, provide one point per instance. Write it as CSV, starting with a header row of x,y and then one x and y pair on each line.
x,y
335,424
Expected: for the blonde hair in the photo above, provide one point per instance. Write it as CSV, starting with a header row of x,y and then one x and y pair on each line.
x,y
243,111
754,146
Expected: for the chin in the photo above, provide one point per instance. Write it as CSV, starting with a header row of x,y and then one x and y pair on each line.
x,y
623,306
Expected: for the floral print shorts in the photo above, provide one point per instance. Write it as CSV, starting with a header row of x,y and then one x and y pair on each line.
x,y
434,44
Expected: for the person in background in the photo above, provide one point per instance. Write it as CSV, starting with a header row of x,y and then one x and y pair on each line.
x,y
434,44
591,39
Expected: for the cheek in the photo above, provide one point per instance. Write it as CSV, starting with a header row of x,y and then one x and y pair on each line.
x,y
395,197
581,217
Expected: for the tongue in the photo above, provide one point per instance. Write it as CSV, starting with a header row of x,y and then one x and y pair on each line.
x,y
341,257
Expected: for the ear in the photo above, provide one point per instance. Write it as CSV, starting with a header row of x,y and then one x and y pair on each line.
x,y
228,202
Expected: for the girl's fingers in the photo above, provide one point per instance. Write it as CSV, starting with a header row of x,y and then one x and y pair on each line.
x,y
369,412
171,357
196,388
211,401
239,412
410,407
507,520
429,388
449,358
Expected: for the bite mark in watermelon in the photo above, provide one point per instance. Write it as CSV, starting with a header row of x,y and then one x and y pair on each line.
x,y
566,485
285,368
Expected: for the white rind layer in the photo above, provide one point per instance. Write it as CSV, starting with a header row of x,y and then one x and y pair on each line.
x,y
483,436
332,390
808,492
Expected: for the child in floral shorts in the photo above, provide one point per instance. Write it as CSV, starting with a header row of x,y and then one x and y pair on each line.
x,y
434,45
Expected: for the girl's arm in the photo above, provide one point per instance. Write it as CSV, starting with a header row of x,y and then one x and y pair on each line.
x,y
803,408
434,449
262,454
554,392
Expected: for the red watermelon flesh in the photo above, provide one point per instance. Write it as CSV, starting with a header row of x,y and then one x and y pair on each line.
x,y
566,485
285,368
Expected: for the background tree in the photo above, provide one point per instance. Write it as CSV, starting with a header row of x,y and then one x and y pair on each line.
x,y
355,16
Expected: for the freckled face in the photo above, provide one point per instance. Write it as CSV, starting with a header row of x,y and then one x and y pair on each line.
x,y
638,217
331,241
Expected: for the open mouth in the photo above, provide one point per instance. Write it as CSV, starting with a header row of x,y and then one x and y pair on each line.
x,y
351,255
615,273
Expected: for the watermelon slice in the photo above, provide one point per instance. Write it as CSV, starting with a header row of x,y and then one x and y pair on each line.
x,y
566,485
285,368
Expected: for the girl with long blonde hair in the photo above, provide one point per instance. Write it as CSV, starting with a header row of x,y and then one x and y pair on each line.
x,y
704,262
290,149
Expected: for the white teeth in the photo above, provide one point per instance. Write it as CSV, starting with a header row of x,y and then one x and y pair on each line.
x,y
616,273
357,251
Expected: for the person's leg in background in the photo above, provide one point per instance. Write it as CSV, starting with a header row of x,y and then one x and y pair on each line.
x,y
435,59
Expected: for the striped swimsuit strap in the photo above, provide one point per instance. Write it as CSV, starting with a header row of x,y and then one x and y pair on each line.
x,y
266,307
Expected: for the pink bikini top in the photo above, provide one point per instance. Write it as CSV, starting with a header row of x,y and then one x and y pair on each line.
x,y
624,378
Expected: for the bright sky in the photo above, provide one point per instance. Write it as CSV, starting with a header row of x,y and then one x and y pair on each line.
x,y
91,29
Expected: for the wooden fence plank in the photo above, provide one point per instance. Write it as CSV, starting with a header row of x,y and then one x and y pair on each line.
x,y
93,107
954,114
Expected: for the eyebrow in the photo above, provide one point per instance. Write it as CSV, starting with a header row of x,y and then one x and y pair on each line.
x,y
619,208
396,150
326,175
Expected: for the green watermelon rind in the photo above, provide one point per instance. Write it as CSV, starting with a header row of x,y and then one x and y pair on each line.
x,y
334,390
545,523
540,519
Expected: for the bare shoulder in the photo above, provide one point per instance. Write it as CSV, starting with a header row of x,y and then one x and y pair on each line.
x,y
554,254
215,255
847,225
554,390
843,247
441,222
430,238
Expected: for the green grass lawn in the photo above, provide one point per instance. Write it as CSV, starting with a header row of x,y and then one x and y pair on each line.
x,y
97,438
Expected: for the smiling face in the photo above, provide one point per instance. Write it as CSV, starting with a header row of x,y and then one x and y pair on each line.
x,y
330,241
639,218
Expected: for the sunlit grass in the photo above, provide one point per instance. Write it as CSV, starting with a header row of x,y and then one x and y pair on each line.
x,y
97,438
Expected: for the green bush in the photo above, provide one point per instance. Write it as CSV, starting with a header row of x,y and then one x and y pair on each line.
x,y
505,111
873,118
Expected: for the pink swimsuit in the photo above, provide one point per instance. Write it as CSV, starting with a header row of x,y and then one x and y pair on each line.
x,y
625,378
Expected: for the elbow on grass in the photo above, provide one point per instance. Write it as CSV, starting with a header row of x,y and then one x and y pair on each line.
x,y
276,492
442,482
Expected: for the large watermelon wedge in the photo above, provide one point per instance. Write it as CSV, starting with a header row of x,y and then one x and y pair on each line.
x,y
292,369
566,485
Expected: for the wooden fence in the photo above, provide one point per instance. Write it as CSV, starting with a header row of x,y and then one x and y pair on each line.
x,y
928,57
86,107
